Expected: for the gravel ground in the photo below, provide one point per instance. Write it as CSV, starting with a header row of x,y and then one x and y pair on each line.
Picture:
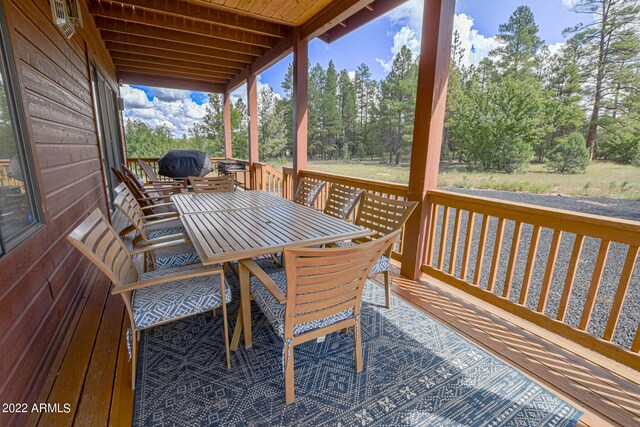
x,y
625,209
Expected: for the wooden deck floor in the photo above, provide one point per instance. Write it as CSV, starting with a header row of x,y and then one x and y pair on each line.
x,y
92,372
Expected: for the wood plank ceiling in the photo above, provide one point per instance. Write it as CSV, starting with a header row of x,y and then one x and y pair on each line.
x,y
214,45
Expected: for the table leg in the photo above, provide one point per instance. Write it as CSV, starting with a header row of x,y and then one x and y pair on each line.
x,y
245,304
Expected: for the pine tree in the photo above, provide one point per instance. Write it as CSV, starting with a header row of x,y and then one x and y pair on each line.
x,y
347,106
330,112
520,43
271,129
608,43
315,125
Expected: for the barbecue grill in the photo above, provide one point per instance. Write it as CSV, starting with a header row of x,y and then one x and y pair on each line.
x,y
226,167
184,163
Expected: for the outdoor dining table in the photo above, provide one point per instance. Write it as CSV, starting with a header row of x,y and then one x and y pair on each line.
x,y
232,226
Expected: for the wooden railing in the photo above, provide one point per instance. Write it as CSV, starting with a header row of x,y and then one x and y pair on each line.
x,y
382,188
457,255
268,179
5,179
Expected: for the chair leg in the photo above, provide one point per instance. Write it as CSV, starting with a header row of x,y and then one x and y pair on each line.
x,y
224,321
214,312
288,375
237,331
387,287
134,359
357,343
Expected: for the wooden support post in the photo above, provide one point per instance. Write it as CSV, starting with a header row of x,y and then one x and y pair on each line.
x,y
226,114
300,82
252,100
433,72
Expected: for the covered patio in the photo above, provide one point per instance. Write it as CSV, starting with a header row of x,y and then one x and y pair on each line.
x,y
445,268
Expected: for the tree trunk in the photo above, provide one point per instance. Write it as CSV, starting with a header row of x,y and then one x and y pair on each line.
x,y
595,112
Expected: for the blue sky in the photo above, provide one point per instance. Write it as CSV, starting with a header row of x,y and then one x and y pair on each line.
x,y
374,44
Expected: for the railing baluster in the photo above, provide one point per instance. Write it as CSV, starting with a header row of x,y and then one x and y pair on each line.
x,y
621,292
548,274
497,248
571,274
531,259
433,216
443,236
635,347
595,284
481,244
467,245
513,256
454,242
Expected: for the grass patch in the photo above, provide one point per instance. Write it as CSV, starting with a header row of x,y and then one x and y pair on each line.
x,y
602,179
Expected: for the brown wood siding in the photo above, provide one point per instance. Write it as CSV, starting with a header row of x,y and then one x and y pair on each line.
x,y
42,280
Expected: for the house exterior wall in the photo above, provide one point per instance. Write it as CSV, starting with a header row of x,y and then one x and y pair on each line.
x,y
42,281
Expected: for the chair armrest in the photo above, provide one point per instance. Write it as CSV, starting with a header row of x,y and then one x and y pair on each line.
x,y
154,198
168,278
160,246
159,205
171,237
265,280
162,215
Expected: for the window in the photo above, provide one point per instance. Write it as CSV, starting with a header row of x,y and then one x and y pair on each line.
x,y
18,213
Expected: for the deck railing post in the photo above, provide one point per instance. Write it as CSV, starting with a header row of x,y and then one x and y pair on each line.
x,y
300,82
252,100
433,72
226,114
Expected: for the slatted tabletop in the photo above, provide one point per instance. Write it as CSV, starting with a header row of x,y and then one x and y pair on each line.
x,y
189,203
234,234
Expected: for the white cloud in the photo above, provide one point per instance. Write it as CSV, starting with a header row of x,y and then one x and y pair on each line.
x,y
476,46
170,107
569,3
556,47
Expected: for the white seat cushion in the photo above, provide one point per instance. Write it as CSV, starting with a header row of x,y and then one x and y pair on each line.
x,y
274,311
172,300
380,266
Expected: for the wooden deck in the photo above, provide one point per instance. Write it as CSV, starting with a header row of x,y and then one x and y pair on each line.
x,y
92,372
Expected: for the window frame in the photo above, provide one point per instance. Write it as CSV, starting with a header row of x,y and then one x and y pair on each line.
x,y
20,135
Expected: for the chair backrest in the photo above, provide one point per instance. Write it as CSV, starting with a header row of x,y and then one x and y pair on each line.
x,y
308,191
148,170
322,282
342,200
99,242
382,215
130,208
212,184
133,186
119,188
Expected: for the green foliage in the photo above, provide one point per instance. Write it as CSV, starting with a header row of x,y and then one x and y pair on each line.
x,y
497,125
570,156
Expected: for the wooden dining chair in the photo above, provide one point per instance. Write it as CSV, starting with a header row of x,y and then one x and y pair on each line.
x,y
382,215
152,298
156,188
318,292
212,184
156,203
342,200
154,229
155,181
308,191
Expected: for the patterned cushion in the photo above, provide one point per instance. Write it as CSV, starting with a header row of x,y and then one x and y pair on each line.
x,y
164,229
274,311
180,298
176,256
380,266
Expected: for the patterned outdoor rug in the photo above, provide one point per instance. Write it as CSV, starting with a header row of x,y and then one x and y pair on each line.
x,y
417,372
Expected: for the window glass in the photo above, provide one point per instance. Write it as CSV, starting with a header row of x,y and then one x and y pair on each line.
x,y
17,213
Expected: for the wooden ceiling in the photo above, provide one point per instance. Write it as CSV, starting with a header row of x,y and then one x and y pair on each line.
x,y
214,45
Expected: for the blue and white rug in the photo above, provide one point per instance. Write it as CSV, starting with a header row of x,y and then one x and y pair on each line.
x,y
417,372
